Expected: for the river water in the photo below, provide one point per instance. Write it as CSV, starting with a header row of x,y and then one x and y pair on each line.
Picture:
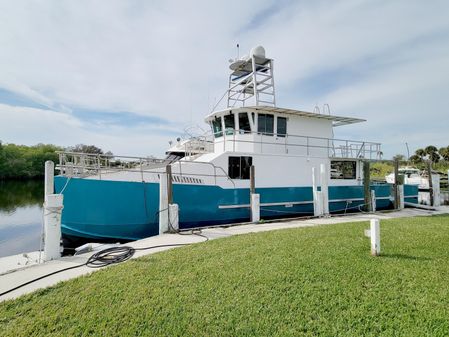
x,y
20,216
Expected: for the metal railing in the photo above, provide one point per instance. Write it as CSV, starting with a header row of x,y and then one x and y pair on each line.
x,y
87,164
265,142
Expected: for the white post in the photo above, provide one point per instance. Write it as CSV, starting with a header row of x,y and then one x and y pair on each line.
x,y
436,190
373,201
255,207
401,196
53,204
163,203
316,200
174,217
319,203
324,188
375,237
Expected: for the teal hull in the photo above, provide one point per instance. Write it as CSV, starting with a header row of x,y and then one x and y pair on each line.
x,y
102,209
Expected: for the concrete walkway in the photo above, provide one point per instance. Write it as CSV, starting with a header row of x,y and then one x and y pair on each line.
x,y
11,278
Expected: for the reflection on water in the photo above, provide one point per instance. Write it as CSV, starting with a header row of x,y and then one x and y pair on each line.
x,y
20,216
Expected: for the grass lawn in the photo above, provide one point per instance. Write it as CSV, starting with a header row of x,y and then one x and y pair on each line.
x,y
306,281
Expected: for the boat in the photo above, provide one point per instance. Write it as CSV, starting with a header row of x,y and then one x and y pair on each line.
x,y
412,176
117,197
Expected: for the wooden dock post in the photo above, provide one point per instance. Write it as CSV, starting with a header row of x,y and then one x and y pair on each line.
x,y
254,197
429,173
366,187
395,185
169,184
53,205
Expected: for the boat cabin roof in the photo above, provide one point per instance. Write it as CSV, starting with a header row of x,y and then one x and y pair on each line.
x,y
336,120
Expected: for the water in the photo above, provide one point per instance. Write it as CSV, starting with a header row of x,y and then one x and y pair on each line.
x,y
20,216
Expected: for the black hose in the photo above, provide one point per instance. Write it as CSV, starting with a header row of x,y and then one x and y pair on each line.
x,y
106,257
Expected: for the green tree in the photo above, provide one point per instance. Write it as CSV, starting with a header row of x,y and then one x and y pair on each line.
x,y
415,159
432,153
444,153
82,148
399,157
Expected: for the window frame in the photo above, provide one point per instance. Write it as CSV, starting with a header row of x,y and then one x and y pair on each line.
x,y
264,130
354,168
278,134
243,170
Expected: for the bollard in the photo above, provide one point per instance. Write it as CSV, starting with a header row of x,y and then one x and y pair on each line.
x,y
163,203
375,237
173,214
324,189
255,207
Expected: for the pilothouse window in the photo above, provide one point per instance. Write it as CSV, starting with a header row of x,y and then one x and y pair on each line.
x,y
239,167
244,125
216,127
265,124
229,124
281,126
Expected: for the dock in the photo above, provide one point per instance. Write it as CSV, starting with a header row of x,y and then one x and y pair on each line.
x,y
12,275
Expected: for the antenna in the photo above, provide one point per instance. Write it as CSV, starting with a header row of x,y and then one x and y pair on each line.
x,y
238,51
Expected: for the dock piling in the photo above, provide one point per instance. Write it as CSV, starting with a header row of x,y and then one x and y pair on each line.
x,y
396,183
366,187
163,203
324,189
254,197
317,209
53,204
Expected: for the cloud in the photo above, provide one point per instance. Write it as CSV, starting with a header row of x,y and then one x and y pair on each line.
x,y
162,65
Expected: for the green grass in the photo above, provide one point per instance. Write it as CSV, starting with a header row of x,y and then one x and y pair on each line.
x,y
306,281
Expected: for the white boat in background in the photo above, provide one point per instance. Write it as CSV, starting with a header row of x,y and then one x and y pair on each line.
x,y
412,176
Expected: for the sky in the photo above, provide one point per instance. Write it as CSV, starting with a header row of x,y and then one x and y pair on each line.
x,y
129,76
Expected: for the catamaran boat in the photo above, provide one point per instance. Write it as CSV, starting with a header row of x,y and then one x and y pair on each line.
x,y
112,197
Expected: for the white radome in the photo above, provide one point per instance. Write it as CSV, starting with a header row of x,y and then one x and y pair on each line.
x,y
258,51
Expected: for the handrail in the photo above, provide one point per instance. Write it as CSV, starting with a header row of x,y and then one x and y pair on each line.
x,y
87,164
347,148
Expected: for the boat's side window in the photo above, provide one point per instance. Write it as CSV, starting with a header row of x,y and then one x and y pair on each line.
x,y
244,126
239,167
216,127
265,124
343,169
281,126
229,123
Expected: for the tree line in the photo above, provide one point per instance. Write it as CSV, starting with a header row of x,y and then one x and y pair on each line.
x,y
28,162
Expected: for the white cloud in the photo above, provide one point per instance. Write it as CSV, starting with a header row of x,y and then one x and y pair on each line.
x,y
169,59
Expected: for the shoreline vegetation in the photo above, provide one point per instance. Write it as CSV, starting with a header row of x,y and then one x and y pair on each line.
x,y
22,162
